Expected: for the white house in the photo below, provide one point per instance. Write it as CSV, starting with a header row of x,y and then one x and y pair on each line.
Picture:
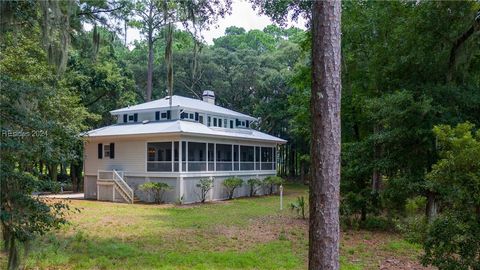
x,y
176,140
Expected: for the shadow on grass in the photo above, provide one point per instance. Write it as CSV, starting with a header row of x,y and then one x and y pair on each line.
x,y
82,252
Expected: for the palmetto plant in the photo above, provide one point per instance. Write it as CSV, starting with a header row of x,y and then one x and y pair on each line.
x,y
299,206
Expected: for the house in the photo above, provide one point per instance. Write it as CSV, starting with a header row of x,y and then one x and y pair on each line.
x,y
178,141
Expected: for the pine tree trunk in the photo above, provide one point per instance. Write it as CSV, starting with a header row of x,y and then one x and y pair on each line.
x,y
325,107
148,94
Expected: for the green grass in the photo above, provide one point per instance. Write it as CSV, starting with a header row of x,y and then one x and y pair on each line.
x,y
249,233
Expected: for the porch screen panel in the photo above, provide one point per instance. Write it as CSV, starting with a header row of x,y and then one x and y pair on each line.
x,y
159,157
236,164
274,158
257,158
246,158
267,158
224,157
211,160
184,156
197,156
176,156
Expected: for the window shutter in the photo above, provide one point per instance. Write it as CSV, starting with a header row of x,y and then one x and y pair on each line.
x,y
237,122
196,116
247,123
135,117
112,150
169,114
125,118
100,150
231,123
157,116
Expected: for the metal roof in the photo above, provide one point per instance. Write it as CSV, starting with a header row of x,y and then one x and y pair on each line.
x,y
181,127
182,102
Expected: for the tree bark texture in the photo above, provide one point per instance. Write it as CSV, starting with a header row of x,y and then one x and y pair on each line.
x,y
325,148
148,94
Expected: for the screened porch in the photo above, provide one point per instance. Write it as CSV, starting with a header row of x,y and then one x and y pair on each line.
x,y
189,156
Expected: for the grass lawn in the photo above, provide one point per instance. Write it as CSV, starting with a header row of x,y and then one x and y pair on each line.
x,y
250,233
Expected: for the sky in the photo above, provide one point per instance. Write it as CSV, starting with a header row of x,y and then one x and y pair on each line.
x,y
242,15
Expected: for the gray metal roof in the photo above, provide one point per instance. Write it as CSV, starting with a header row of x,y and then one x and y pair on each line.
x,y
181,127
182,102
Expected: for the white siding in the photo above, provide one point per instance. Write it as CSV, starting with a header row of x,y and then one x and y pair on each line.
x,y
129,156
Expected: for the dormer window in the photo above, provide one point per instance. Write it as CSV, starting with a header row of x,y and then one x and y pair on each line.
x,y
161,115
130,118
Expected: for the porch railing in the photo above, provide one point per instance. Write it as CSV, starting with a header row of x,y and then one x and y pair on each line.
x,y
118,178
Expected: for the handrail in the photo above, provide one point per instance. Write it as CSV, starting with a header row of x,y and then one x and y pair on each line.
x,y
123,185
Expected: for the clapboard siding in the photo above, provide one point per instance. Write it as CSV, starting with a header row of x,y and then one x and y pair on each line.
x,y
129,156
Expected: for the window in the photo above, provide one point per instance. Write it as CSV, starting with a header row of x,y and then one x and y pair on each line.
x,y
131,117
220,122
214,121
225,123
106,150
200,119
164,115
191,116
209,121
231,123
184,115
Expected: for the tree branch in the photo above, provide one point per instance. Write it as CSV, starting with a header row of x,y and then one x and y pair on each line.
x,y
458,43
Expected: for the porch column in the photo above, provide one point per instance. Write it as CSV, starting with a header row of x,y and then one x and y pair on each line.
x,y
180,156
239,162
254,158
186,156
173,155
260,158
215,157
233,167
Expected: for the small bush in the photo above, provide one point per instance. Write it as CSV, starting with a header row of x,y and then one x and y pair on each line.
x,y
415,205
231,184
47,186
254,185
156,189
376,223
299,206
205,185
271,182
414,228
